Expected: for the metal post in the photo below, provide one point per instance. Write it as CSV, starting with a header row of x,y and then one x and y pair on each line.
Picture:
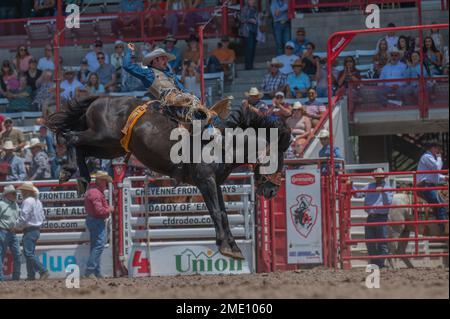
x,y
58,39
423,107
202,65
416,214
119,174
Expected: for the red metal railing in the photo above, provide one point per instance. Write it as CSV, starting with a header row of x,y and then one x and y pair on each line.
x,y
345,194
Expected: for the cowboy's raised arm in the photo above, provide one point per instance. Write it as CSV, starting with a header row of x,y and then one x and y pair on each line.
x,y
146,75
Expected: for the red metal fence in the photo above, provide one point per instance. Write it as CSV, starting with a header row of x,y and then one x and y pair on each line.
x,y
345,194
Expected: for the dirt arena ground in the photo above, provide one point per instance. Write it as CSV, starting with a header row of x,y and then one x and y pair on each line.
x,y
311,283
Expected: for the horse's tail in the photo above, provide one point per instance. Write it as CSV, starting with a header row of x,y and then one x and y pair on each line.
x,y
72,117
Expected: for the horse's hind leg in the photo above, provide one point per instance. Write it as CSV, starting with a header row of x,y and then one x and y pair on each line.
x,y
68,169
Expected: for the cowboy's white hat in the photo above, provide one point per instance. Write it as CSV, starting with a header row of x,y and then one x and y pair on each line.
x,y
35,142
323,134
379,173
9,189
157,53
254,92
28,186
8,145
394,50
275,62
103,175
297,106
69,69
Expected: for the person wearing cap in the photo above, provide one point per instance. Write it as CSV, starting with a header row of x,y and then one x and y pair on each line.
x,y
274,81
225,55
324,152
117,57
70,85
281,23
297,82
376,215
300,41
280,108
9,214
40,165
395,69
30,221
254,101
47,61
157,77
391,38
13,164
431,160
13,134
20,99
288,58
97,210
314,108
33,74
300,125
106,73
91,56
169,47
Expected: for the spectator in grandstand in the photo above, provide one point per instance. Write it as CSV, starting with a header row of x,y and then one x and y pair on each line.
x,y
297,82
83,72
349,73
44,89
381,58
44,8
324,138
395,69
377,215
287,58
300,125
174,18
249,30
225,55
438,38
322,77
93,86
9,213
13,134
91,57
413,70
32,75
22,59
48,141
300,41
314,108
281,23
280,108
391,38
106,73
40,163
309,60
254,101
403,46
192,52
274,81
97,210
190,78
30,220
20,99
13,165
9,79
169,47
60,160
432,56
432,160
47,62
70,85
117,60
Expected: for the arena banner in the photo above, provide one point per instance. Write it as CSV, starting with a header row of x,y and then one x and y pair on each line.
x,y
187,258
303,216
56,259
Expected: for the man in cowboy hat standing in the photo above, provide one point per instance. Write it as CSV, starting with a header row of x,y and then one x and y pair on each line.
x,y
254,101
9,214
97,210
14,164
377,215
274,81
40,166
170,48
30,220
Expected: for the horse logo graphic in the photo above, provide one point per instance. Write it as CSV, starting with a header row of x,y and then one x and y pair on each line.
x,y
304,215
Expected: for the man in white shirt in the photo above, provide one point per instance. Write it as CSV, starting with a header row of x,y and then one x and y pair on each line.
x,y
395,69
390,38
431,160
70,84
30,220
91,57
288,58
47,62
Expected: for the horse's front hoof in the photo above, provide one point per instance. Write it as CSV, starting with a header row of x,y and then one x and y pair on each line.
x,y
233,254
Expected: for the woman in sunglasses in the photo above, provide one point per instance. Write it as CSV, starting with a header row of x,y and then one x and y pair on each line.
x,y
22,59
349,73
